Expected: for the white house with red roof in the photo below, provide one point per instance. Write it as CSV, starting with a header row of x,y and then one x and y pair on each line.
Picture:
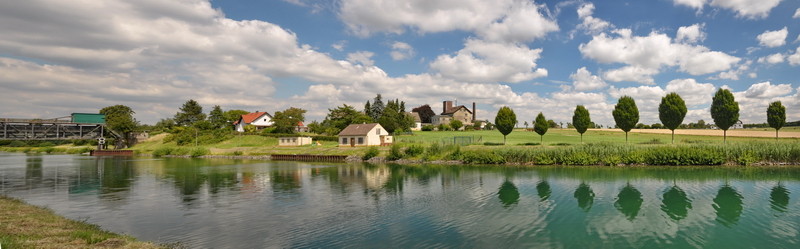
x,y
260,120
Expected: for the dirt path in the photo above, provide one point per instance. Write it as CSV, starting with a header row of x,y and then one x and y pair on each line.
x,y
731,133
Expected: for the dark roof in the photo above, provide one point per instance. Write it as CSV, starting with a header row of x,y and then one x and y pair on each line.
x,y
455,109
357,129
250,117
415,115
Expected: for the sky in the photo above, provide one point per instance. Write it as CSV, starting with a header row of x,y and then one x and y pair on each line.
x,y
59,57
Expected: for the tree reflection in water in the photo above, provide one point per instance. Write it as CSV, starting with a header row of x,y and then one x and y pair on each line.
x,y
779,198
629,201
543,188
675,203
728,205
508,193
585,197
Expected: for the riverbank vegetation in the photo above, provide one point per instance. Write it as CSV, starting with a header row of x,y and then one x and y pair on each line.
x,y
26,226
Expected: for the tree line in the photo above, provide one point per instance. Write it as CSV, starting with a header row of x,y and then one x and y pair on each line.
x,y
671,111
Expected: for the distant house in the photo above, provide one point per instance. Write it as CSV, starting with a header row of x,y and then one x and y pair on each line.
x,y
450,112
301,127
293,141
260,120
364,135
417,121
738,125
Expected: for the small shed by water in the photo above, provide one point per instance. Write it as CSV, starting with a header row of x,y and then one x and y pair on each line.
x,y
294,141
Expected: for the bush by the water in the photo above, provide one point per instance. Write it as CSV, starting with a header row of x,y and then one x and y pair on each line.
x,y
372,151
414,150
395,153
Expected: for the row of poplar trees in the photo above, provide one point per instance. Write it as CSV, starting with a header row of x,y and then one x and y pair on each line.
x,y
671,111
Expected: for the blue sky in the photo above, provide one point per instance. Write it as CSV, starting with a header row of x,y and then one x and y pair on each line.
x,y
60,57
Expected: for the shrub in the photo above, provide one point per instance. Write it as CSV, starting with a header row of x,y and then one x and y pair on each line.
x,y
653,141
162,151
372,151
530,144
428,128
17,143
492,144
199,151
80,150
481,157
237,153
414,150
395,153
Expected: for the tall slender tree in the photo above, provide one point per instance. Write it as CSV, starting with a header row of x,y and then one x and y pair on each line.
x,y
776,116
724,111
368,109
626,114
581,120
190,113
505,121
217,118
376,110
541,126
671,112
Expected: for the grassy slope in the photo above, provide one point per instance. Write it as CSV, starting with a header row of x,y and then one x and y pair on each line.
x,y
568,136
26,226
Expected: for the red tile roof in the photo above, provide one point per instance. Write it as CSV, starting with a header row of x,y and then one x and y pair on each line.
x,y
250,117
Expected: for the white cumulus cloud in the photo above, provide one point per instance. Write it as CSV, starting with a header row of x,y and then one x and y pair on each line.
x,y
502,20
583,80
401,51
767,90
752,9
361,57
794,59
590,23
645,56
691,34
482,61
772,59
775,38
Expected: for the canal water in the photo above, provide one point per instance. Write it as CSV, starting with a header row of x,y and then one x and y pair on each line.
x,y
226,203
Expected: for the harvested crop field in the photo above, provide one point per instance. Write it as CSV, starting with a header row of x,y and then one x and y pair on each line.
x,y
731,133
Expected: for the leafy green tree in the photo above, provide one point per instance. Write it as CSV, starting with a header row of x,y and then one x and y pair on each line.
x,y
376,110
340,117
285,121
119,118
671,112
626,114
232,116
776,116
164,125
189,113
217,118
724,111
552,124
581,120
393,119
368,109
526,124
541,126
456,124
505,121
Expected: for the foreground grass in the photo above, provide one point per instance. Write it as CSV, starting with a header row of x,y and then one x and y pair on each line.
x,y
27,226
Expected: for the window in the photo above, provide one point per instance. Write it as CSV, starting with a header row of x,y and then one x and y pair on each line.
x,y
377,131
344,140
265,120
361,140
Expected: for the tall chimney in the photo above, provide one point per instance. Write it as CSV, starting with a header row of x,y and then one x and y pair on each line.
x,y
473,112
444,106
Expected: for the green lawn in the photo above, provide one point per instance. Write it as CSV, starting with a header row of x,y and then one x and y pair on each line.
x,y
565,136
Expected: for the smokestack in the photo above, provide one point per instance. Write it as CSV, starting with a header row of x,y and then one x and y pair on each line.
x,y
444,107
473,112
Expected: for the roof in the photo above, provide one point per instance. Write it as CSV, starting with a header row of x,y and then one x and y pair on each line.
x,y
250,117
357,129
416,117
455,109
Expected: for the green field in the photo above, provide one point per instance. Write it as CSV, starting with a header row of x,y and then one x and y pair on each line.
x,y
567,137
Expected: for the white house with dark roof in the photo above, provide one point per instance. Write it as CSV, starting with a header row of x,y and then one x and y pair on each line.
x,y
364,135
258,119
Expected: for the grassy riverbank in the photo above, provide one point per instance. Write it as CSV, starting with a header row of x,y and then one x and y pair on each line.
x,y
559,147
27,226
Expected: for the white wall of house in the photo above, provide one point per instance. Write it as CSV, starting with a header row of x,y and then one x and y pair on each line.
x,y
373,137
294,141
264,120
240,126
